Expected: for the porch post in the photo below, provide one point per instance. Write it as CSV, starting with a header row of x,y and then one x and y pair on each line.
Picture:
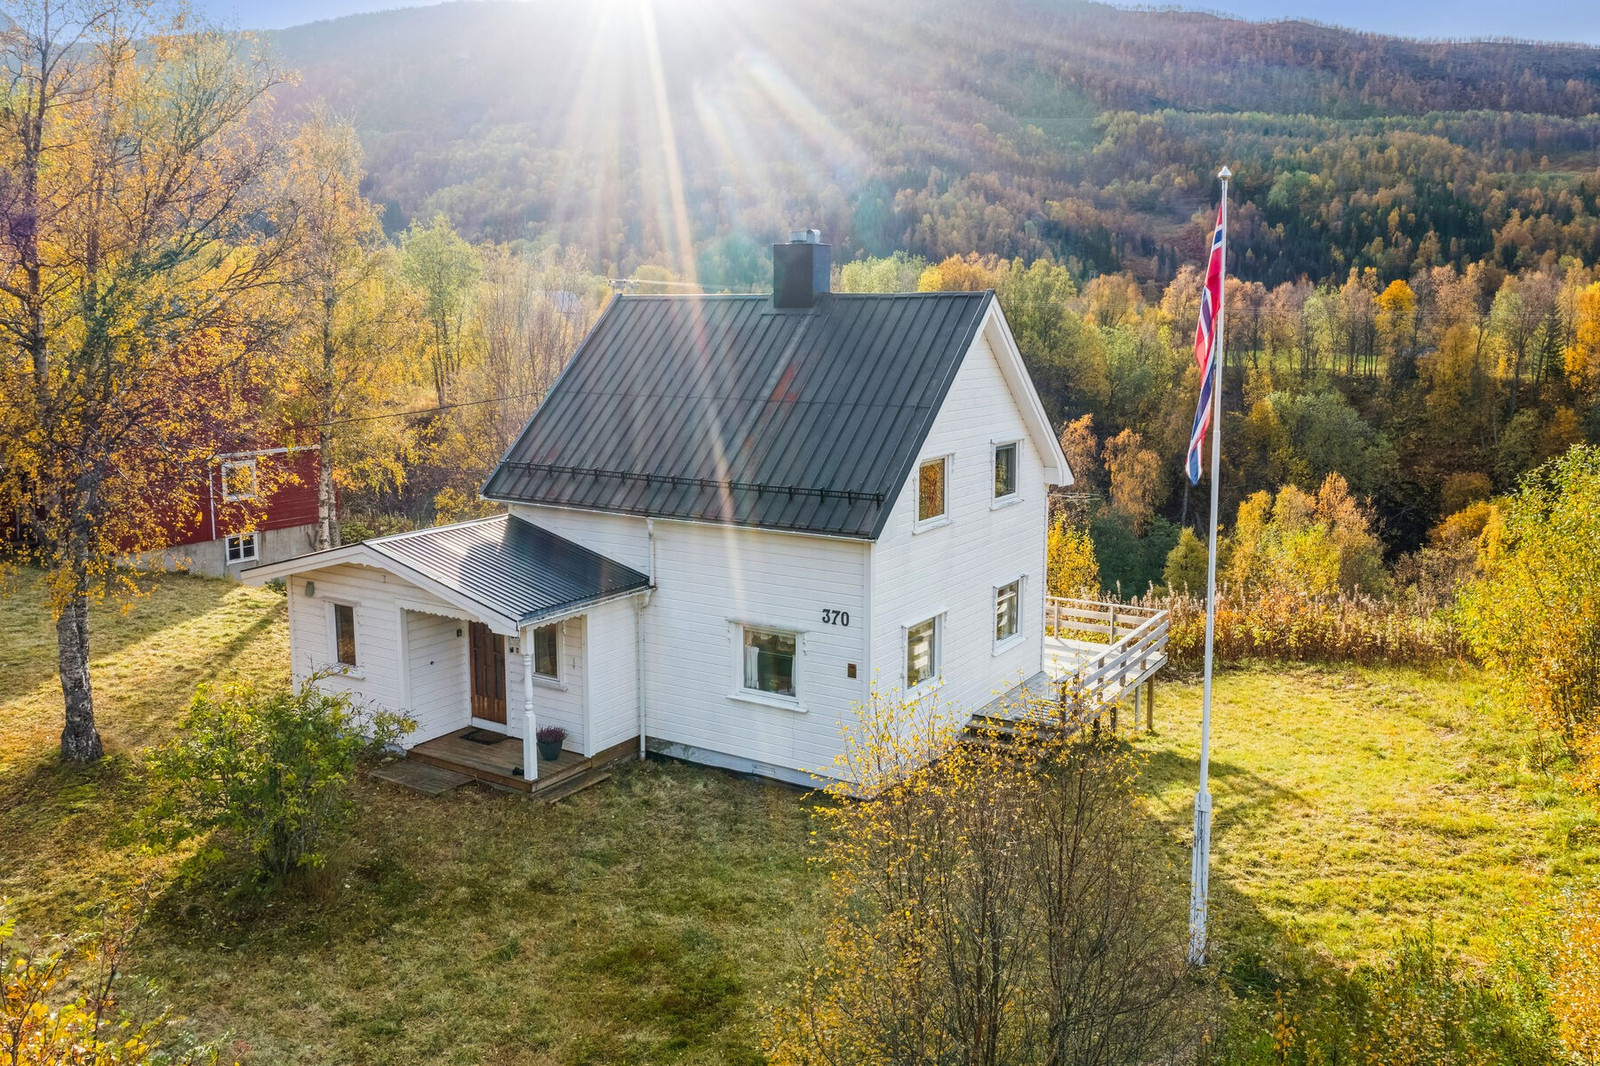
x,y
530,747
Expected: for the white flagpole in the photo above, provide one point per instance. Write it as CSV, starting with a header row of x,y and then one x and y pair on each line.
x,y
1200,873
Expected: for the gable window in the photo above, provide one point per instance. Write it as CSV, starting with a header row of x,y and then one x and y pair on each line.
x,y
1007,611
239,480
922,652
1005,471
344,633
241,548
547,652
769,658
931,478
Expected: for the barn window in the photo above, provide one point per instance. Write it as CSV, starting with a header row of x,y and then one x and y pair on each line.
x,y
239,480
922,652
769,658
241,548
1007,611
344,633
547,651
931,490
1005,471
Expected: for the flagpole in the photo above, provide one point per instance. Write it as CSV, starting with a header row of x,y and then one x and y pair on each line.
x,y
1200,874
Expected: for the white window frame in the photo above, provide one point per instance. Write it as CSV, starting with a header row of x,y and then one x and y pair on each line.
x,y
1005,644
797,702
559,680
940,620
334,665
942,519
228,467
1015,494
249,547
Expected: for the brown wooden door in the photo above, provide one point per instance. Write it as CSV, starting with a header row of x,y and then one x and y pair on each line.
x,y
488,674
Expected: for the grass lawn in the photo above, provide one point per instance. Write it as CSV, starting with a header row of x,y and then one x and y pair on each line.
x,y
653,918
1351,804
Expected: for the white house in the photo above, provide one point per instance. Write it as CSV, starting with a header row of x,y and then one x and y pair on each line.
x,y
730,516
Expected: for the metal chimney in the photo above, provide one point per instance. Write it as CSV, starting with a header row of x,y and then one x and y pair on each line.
x,y
801,270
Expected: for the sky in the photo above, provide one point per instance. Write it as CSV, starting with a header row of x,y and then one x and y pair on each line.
x,y
1550,20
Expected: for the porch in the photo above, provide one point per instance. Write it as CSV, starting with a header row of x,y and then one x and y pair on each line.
x,y
497,759
1098,653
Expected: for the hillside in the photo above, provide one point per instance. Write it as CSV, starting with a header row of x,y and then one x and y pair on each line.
x,y
1019,127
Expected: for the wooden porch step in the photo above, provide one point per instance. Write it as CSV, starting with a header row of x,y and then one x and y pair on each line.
x,y
568,785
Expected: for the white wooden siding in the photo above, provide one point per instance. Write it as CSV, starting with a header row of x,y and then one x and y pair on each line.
x,y
711,577
436,670
614,674
377,678
955,568
554,703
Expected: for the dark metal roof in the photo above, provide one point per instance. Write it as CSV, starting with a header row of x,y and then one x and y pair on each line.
x,y
511,566
723,409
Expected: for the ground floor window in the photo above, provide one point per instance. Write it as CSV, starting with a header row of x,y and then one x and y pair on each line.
x,y
769,656
241,548
547,651
344,633
922,652
1007,611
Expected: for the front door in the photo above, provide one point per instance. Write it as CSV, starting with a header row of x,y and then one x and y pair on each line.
x,y
488,674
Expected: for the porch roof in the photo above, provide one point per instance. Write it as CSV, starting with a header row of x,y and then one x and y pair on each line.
x,y
505,566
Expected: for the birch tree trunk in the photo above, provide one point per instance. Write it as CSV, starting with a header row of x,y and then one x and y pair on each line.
x,y
80,740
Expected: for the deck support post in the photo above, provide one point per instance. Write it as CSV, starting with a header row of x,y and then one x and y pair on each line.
x,y
530,740
1150,705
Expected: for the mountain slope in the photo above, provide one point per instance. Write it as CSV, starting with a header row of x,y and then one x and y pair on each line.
x,y
690,132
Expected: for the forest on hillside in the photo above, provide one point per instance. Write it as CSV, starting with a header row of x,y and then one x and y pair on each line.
x,y
1022,128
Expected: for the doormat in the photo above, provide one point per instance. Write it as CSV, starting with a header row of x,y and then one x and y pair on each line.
x,y
483,736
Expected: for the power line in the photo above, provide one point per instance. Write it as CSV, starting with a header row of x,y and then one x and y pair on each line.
x,y
408,414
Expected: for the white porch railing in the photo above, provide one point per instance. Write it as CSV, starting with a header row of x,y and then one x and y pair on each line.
x,y
1100,651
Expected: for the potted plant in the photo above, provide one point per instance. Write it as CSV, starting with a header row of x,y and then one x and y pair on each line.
x,y
550,739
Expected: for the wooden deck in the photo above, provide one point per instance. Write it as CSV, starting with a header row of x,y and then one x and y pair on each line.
x,y
500,764
1100,652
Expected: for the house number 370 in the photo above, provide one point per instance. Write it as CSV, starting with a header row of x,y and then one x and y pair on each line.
x,y
835,618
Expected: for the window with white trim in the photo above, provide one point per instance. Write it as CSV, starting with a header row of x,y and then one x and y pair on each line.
x,y
239,480
241,548
344,634
1007,611
932,490
547,652
768,661
922,652
1005,471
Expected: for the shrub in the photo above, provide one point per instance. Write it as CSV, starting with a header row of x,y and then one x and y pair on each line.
x,y
1534,617
271,768
88,1025
1070,563
1575,992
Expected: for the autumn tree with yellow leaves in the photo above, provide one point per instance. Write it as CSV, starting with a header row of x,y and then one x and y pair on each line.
x,y
140,234
990,903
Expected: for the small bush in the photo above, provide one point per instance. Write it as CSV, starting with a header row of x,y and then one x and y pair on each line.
x,y
550,734
271,768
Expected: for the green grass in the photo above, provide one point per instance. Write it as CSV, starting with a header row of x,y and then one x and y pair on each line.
x,y
1352,804
654,918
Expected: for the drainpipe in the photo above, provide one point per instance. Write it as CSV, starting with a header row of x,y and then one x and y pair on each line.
x,y
530,746
638,636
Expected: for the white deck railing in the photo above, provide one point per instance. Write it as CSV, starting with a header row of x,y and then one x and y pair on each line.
x,y
1102,651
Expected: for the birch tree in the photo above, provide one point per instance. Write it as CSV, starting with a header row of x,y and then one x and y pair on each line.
x,y
135,267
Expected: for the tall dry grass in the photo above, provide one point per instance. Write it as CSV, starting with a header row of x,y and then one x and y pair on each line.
x,y
1284,625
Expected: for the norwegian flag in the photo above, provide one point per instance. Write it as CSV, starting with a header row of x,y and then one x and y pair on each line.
x,y
1205,345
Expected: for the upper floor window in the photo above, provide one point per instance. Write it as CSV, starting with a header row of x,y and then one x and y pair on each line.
x,y
1007,611
239,480
241,548
932,477
344,633
1005,470
769,658
922,652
